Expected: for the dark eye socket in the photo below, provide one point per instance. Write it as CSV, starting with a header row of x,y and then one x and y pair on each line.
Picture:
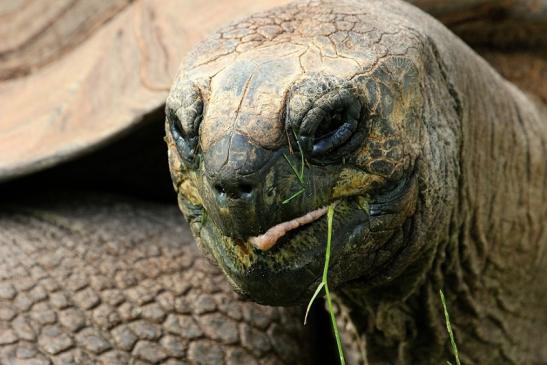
x,y
187,126
326,123
186,135
333,132
176,127
330,125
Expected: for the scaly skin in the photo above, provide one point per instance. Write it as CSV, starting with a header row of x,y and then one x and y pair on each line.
x,y
441,184
108,280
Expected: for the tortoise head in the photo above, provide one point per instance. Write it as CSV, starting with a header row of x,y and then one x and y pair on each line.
x,y
280,115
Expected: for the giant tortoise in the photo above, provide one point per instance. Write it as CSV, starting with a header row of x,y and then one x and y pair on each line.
x,y
96,267
435,165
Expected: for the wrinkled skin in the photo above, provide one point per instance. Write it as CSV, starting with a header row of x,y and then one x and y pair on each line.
x,y
406,131
265,105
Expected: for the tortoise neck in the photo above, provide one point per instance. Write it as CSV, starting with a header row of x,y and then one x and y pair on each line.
x,y
492,249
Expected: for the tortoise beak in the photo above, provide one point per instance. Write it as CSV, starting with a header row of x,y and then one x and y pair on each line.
x,y
235,171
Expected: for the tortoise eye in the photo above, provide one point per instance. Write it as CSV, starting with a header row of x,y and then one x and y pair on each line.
x,y
329,130
184,122
177,130
333,132
186,139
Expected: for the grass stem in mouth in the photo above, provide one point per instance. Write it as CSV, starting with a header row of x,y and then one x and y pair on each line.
x,y
324,284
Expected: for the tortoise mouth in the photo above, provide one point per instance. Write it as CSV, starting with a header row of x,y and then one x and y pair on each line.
x,y
271,237
283,265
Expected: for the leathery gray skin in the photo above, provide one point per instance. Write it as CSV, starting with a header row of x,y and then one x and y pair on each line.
x,y
436,165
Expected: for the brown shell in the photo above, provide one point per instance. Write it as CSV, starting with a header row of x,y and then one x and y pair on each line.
x,y
74,75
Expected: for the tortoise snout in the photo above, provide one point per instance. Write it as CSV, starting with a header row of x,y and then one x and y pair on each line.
x,y
236,170
235,167
229,188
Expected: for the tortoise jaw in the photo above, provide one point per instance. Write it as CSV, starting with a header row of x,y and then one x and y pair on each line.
x,y
271,237
359,233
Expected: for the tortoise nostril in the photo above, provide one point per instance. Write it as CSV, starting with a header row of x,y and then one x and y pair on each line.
x,y
245,188
219,189
234,191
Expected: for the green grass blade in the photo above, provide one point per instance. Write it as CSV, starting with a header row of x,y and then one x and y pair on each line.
x,y
301,176
293,196
301,159
324,284
319,287
330,215
295,170
334,326
449,329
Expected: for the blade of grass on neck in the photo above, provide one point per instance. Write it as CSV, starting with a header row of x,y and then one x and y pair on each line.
x,y
449,329
330,215
319,287
324,284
